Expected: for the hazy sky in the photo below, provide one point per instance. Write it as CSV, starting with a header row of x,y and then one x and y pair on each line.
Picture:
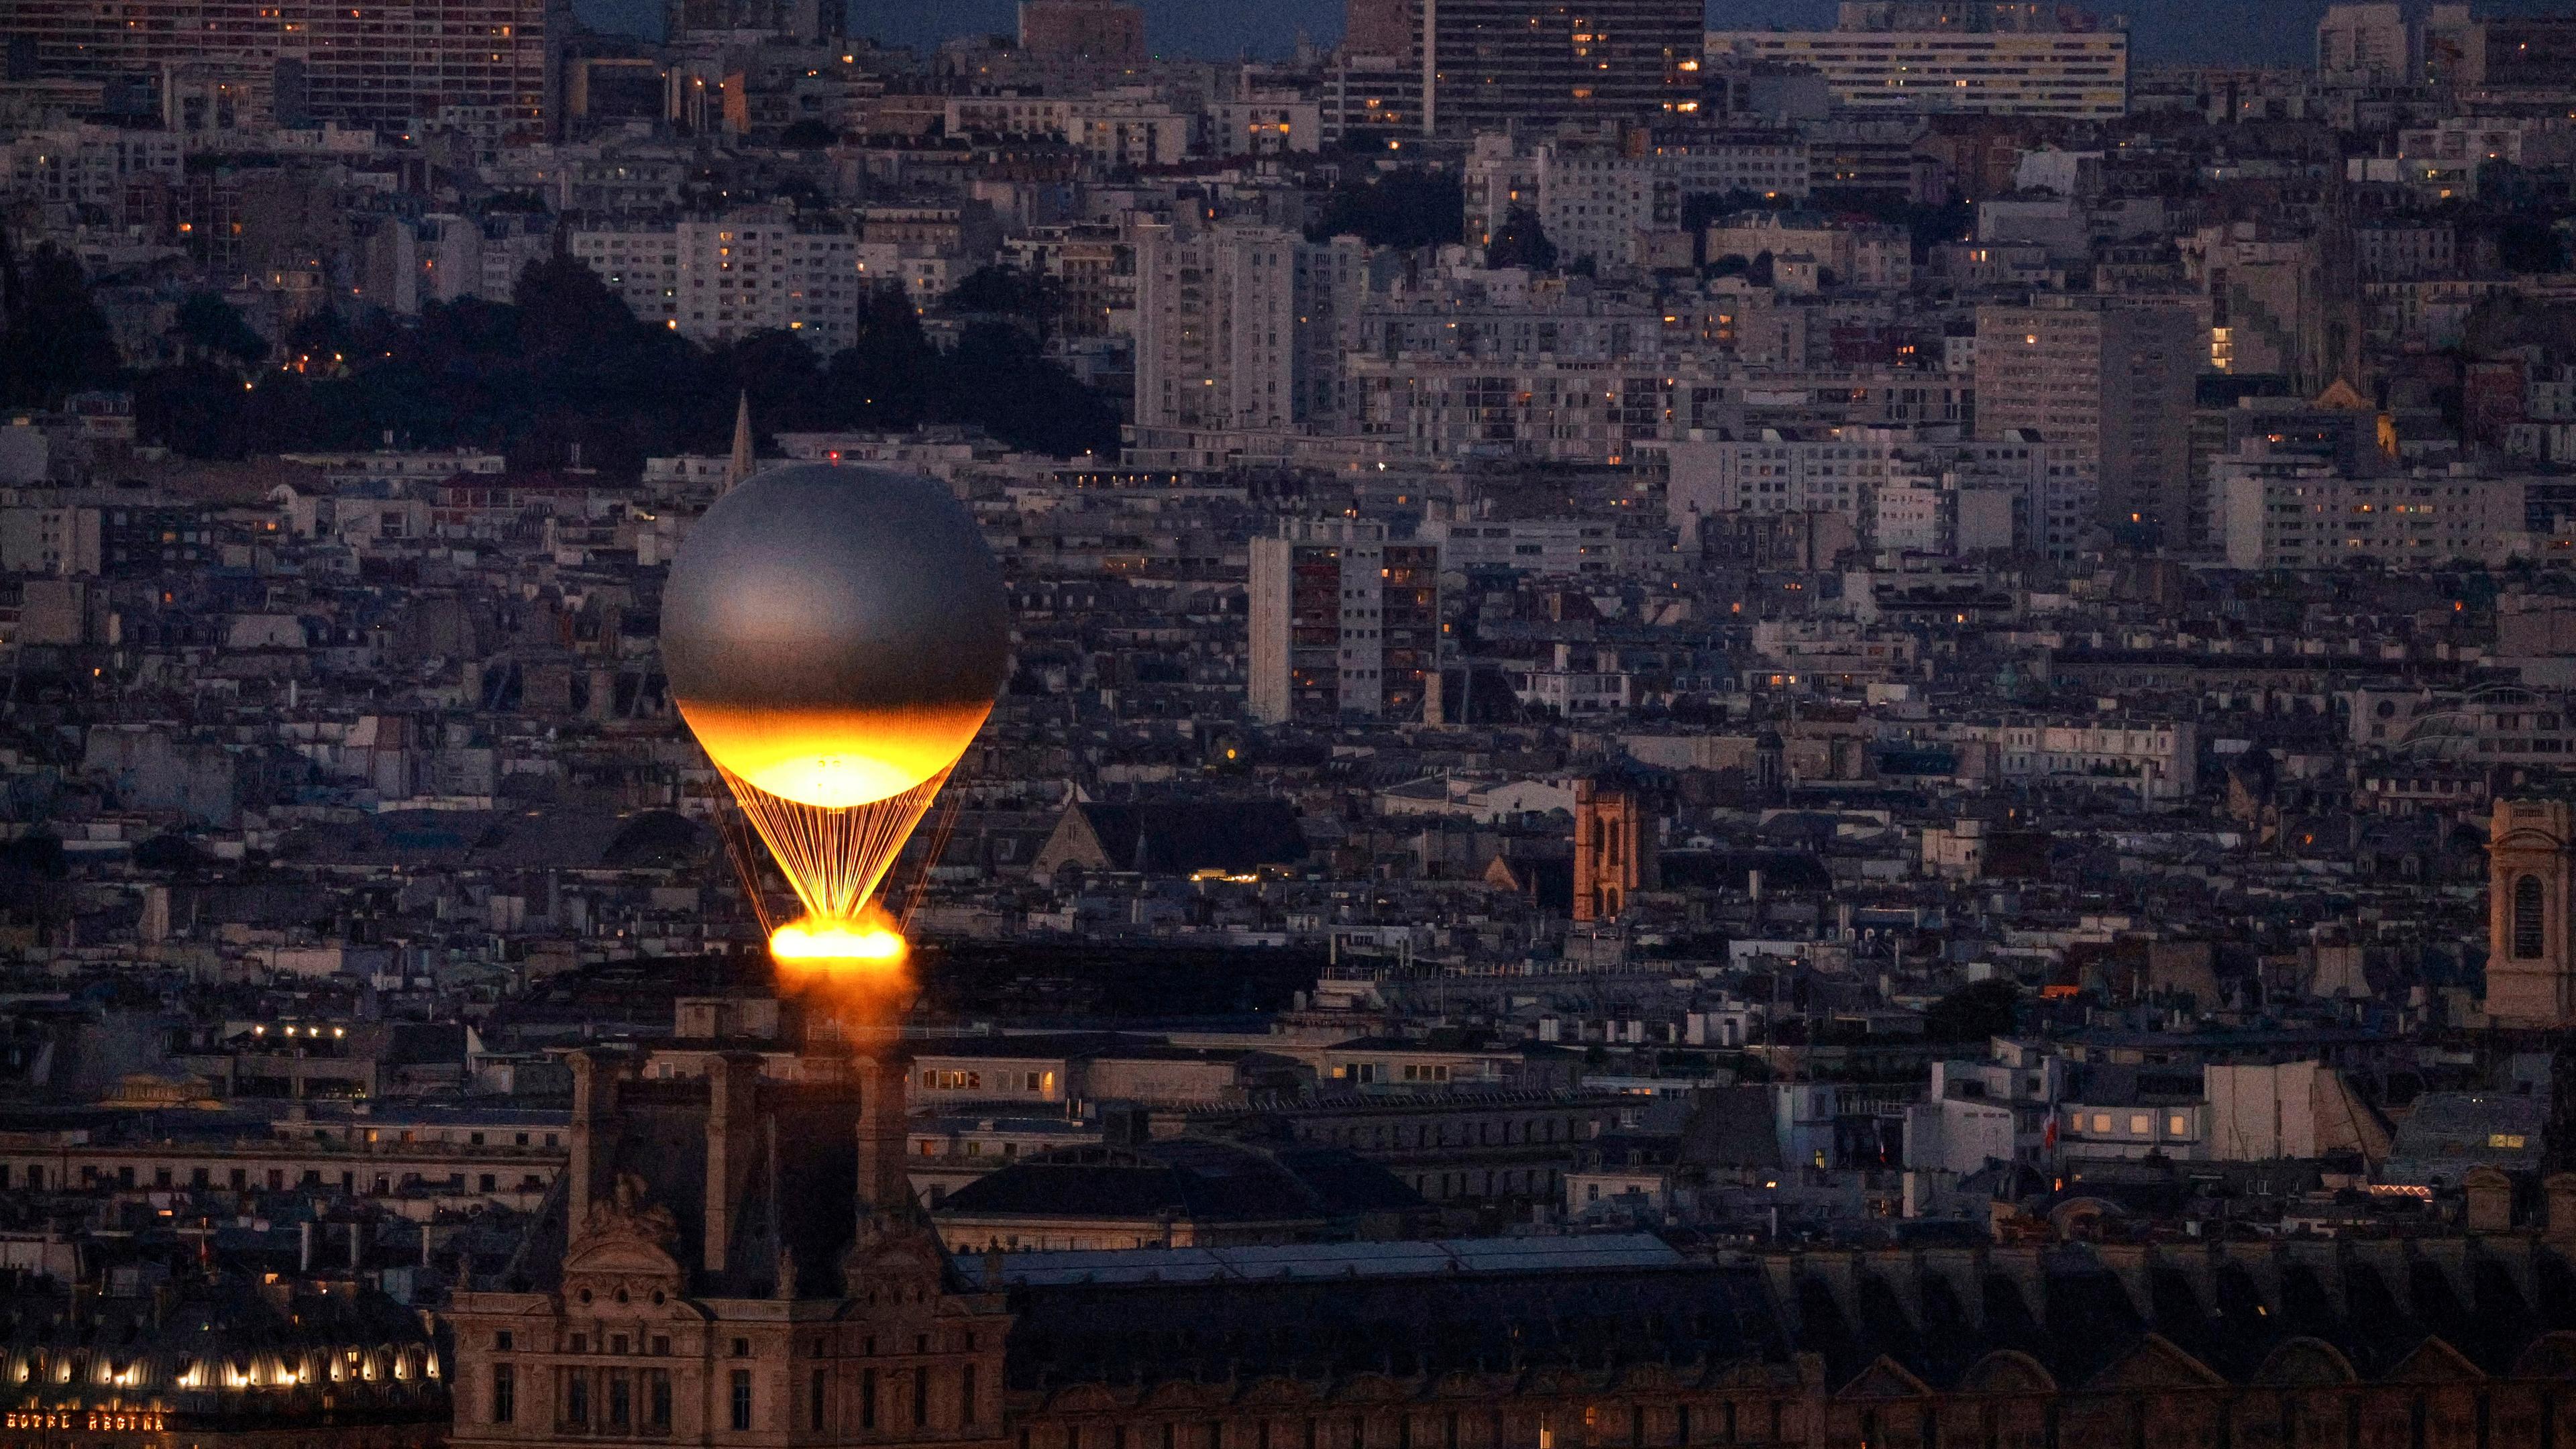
x,y
2264,31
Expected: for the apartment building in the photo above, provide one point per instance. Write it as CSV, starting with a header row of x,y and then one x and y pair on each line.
x,y
1488,65
2079,74
1241,326
2293,512
379,66
1344,621
2110,383
714,281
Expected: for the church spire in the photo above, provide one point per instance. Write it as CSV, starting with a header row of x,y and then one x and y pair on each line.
x,y
740,466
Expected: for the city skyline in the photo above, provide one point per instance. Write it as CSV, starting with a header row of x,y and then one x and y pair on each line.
x,y
2164,31
1577,727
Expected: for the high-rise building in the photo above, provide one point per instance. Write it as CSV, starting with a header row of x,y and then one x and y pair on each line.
x,y
794,21
381,66
2366,43
1999,59
1344,622
1102,30
1377,27
1239,326
2519,52
2279,303
1489,65
2111,385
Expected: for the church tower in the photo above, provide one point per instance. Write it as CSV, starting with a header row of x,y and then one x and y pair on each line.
x,y
1606,842
2531,862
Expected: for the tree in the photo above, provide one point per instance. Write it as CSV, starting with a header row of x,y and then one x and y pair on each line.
x,y
53,339
213,327
996,290
1412,207
884,379
565,308
2524,244
1521,242
1974,1012
1000,380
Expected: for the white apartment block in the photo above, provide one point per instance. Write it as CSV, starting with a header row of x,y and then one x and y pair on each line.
x,y
2368,43
87,165
1569,411
2081,75
1770,164
1343,621
1874,258
2300,513
2153,760
1594,202
1242,326
1592,199
1565,547
1780,470
714,281
1120,130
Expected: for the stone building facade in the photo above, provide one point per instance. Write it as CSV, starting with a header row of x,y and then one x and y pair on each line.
x,y
734,1261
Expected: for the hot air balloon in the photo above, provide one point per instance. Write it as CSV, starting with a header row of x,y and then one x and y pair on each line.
x,y
834,636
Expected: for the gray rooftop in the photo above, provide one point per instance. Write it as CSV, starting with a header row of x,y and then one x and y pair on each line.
x,y
1325,1260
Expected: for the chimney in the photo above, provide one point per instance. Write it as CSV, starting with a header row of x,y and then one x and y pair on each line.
x,y
594,1134
884,1187
733,1099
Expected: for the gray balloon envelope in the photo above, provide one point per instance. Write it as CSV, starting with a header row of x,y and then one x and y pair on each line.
x,y
825,585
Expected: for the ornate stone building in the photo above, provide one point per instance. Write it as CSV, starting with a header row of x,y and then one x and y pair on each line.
x,y
212,1358
2531,864
736,1261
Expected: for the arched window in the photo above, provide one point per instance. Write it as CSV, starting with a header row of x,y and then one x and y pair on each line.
x,y
2529,934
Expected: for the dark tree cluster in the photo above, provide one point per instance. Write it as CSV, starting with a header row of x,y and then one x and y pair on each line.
x,y
53,339
564,364
1412,207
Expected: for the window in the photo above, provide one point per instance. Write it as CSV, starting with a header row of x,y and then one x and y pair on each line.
x,y
657,1398
577,1398
921,1397
868,1396
741,1399
501,1341
814,1401
505,1392
621,1402
2178,1125
2141,1123
742,1348
2530,933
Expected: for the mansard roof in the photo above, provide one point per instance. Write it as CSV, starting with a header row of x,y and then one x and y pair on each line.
x,y
2182,1315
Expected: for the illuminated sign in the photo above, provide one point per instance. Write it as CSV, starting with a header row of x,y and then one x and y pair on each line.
x,y
89,1421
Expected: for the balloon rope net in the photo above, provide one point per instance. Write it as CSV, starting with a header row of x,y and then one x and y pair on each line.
x,y
833,857
942,824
